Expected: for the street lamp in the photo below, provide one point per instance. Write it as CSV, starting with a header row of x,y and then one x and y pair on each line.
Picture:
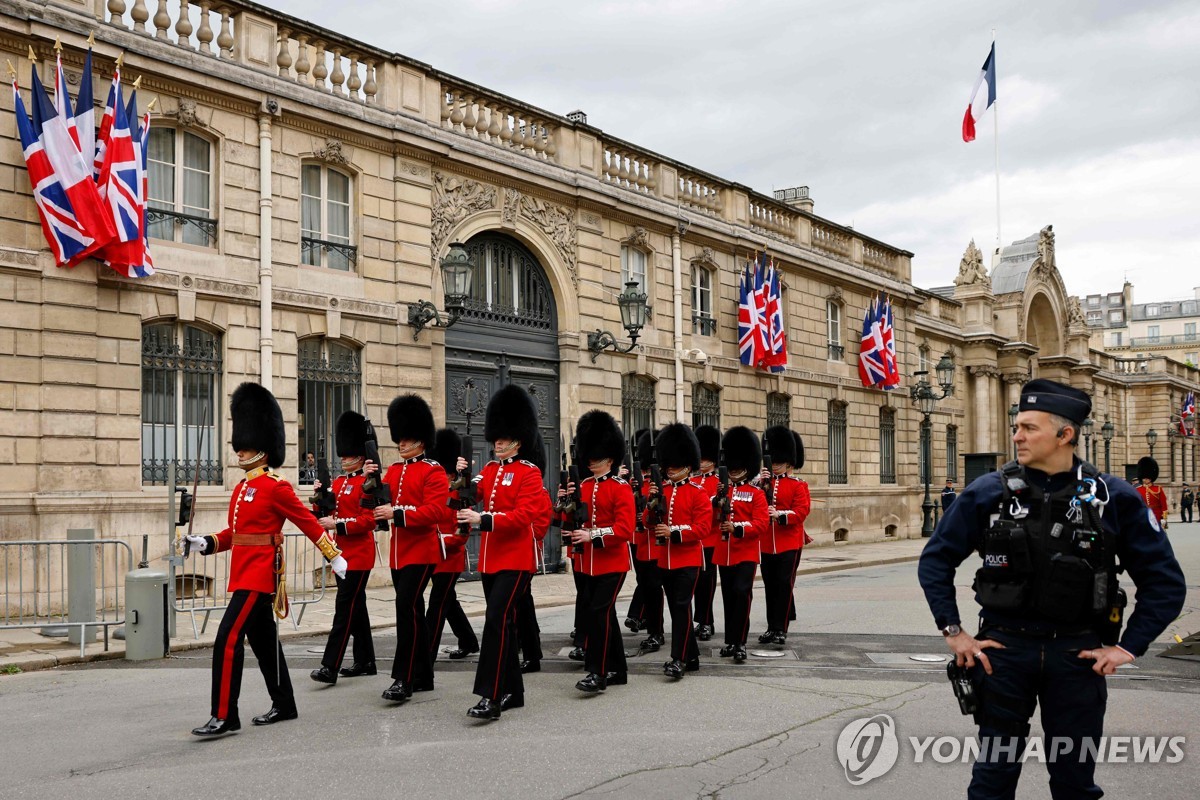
x,y
633,318
457,271
1107,431
1172,435
1151,438
1087,439
925,399
1013,410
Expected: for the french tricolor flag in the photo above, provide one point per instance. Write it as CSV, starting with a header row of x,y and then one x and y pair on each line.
x,y
979,104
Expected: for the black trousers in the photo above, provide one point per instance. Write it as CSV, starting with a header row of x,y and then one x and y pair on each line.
x,y
529,633
249,617
706,589
581,594
680,587
779,579
350,619
413,662
1185,512
647,601
499,671
444,607
737,592
604,651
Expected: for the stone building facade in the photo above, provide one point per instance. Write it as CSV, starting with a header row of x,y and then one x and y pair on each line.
x,y
305,188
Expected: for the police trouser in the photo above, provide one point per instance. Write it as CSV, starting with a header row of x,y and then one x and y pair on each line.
x,y
248,617
779,579
737,592
706,589
604,652
680,586
528,631
579,626
1030,671
350,619
413,663
444,607
647,602
499,671
1185,512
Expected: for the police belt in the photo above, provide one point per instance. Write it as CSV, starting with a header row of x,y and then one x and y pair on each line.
x,y
258,539
1039,633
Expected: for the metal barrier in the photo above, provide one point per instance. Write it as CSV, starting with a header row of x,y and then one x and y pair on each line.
x,y
202,582
38,589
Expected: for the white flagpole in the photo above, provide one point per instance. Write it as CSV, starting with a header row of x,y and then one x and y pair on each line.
x,y
996,143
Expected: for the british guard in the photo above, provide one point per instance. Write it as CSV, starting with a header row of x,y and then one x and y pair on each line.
x,y
529,633
687,517
261,503
784,539
353,528
706,588
420,493
737,552
604,560
1152,494
443,600
514,504
646,605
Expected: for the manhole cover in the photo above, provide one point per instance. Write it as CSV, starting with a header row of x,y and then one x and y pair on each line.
x,y
929,659
767,653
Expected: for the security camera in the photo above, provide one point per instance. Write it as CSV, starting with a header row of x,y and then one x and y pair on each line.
x,y
684,224
697,355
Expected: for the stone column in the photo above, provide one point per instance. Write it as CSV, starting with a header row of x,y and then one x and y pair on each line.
x,y
984,408
1013,380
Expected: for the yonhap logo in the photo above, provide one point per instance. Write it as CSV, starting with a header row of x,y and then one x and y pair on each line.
x,y
867,748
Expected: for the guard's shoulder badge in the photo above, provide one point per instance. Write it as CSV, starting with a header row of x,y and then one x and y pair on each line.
x,y
277,477
432,462
528,463
619,480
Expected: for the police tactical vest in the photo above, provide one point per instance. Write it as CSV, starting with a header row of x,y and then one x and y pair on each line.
x,y
1046,555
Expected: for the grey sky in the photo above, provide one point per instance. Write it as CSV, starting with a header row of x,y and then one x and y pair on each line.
x,y
863,101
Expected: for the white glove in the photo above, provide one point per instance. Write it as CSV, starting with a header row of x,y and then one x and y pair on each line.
x,y
338,565
197,544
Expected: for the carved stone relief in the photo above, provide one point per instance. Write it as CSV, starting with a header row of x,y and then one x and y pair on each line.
x,y
331,152
1045,248
638,238
512,202
559,224
971,270
416,170
706,256
455,199
185,112
1075,315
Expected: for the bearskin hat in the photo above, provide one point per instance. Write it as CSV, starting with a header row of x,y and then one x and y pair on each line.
x,y
511,414
597,436
350,435
742,450
535,451
710,443
644,447
409,417
258,422
799,462
447,447
676,446
1147,468
780,445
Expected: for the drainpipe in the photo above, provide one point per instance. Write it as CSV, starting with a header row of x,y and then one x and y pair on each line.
x,y
677,276
265,342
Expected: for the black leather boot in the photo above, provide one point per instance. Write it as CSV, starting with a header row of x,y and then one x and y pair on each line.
x,y
593,683
485,709
276,714
398,692
577,654
739,654
218,727
324,675
356,669
673,669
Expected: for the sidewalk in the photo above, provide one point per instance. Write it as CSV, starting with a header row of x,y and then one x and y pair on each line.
x,y
27,650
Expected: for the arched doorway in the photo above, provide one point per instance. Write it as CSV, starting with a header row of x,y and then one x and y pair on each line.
x,y
508,334
1042,328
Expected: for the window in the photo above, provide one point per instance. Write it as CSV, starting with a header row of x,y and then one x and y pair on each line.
x,y
330,377
706,406
1116,339
1152,332
508,285
703,321
837,442
1151,311
181,396
1093,301
1187,307
1189,330
180,188
325,218
779,410
833,330
952,452
923,358
1114,299
887,445
1116,316
637,404
1190,358
1095,317
633,267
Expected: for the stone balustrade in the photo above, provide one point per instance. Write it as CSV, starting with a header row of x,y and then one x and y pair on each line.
x,y
700,193
772,219
629,169
471,112
879,258
831,240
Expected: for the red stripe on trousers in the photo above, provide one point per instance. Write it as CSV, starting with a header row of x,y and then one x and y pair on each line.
x,y
503,631
235,636
350,620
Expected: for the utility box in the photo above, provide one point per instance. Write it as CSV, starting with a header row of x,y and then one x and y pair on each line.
x,y
145,614
979,464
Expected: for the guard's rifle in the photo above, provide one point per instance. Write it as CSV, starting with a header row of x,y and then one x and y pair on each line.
x,y
656,513
635,482
573,506
464,485
375,490
323,501
722,500
770,468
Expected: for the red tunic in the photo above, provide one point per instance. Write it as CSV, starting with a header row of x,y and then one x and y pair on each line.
x,y
748,513
355,524
452,547
516,513
1155,499
421,493
689,514
709,482
609,502
793,503
261,503
643,540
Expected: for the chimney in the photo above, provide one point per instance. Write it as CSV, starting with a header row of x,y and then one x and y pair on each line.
x,y
796,197
577,116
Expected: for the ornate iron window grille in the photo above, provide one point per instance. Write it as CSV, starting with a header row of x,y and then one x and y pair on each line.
x,y
509,287
348,252
329,379
836,352
837,443
779,410
203,224
637,403
704,324
952,452
170,371
887,445
706,406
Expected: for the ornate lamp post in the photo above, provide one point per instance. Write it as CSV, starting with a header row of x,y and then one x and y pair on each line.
x,y
926,399
1107,431
633,318
1013,410
1151,438
457,271
1087,440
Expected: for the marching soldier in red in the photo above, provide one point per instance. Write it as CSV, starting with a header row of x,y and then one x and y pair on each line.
x,y
1152,494
443,601
529,633
354,529
420,493
515,506
785,539
604,562
706,587
687,516
261,502
737,553
646,605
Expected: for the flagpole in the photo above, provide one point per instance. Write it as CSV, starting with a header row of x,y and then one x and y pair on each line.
x,y
996,143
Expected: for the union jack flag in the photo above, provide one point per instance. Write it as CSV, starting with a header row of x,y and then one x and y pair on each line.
x,y
127,181
752,344
62,99
106,123
777,358
85,113
1186,413
872,353
887,330
72,216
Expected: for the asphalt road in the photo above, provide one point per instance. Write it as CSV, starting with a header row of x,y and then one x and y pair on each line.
x,y
765,729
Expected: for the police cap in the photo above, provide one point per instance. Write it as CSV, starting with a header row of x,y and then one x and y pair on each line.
x,y
1055,398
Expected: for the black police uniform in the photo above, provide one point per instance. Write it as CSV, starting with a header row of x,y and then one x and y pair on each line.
x,y
948,497
1045,625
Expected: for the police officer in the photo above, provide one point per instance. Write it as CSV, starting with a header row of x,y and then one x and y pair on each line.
x,y
948,495
1186,499
1050,529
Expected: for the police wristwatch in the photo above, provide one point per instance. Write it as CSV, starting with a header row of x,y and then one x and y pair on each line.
x,y
951,630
